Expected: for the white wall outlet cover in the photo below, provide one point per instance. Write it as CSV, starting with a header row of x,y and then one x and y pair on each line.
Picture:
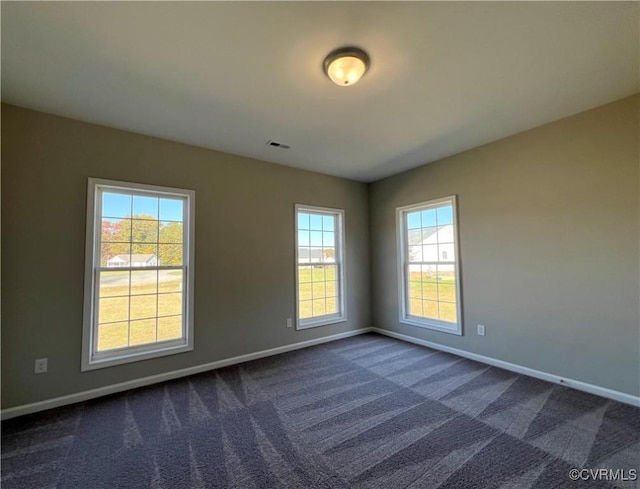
x,y
41,365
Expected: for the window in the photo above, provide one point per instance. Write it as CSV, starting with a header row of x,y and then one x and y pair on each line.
x,y
320,266
428,265
138,273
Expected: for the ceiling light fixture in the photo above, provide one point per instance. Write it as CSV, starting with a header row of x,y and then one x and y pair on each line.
x,y
345,66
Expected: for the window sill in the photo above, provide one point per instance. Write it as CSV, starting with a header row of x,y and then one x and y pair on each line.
x,y
443,327
320,322
130,357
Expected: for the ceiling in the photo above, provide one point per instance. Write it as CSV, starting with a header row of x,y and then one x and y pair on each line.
x,y
444,77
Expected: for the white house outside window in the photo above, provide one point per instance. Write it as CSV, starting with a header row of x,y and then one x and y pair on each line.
x,y
139,273
428,265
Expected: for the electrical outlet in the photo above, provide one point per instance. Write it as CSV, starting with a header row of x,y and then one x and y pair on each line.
x,y
481,330
289,323
41,366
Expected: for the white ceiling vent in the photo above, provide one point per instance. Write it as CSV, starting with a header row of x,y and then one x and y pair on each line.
x,y
276,144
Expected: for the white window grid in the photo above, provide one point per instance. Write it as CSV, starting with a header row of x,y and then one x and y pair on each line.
x,y
337,262
448,258
92,356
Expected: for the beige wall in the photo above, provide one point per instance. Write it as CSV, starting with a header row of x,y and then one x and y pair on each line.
x,y
244,213
549,231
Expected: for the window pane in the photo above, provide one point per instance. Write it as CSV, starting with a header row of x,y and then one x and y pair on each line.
x,y
169,328
328,239
303,220
446,273
415,290
116,205
113,309
415,253
315,238
304,274
305,309
304,291
141,332
143,231
116,230
114,255
430,290
445,215
328,255
429,235
430,309
145,206
328,223
315,222
303,238
447,252
428,217
414,236
170,254
331,272
332,288
430,253
415,307
413,220
171,232
318,307
169,304
171,209
143,306
318,290
144,255
447,290
114,283
445,234
316,256
331,305
429,273
317,273
448,312
415,273
144,282
304,254
170,280
114,335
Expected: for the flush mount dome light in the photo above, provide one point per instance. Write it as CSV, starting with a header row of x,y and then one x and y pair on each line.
x,y
345,66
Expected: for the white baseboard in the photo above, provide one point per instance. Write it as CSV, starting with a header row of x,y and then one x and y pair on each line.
x,y
538,374
154,379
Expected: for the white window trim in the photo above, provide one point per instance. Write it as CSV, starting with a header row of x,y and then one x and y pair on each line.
x,y
405,318
94,360
341,266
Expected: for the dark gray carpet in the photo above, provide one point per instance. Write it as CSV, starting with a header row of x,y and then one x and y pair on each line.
x,y
365,412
